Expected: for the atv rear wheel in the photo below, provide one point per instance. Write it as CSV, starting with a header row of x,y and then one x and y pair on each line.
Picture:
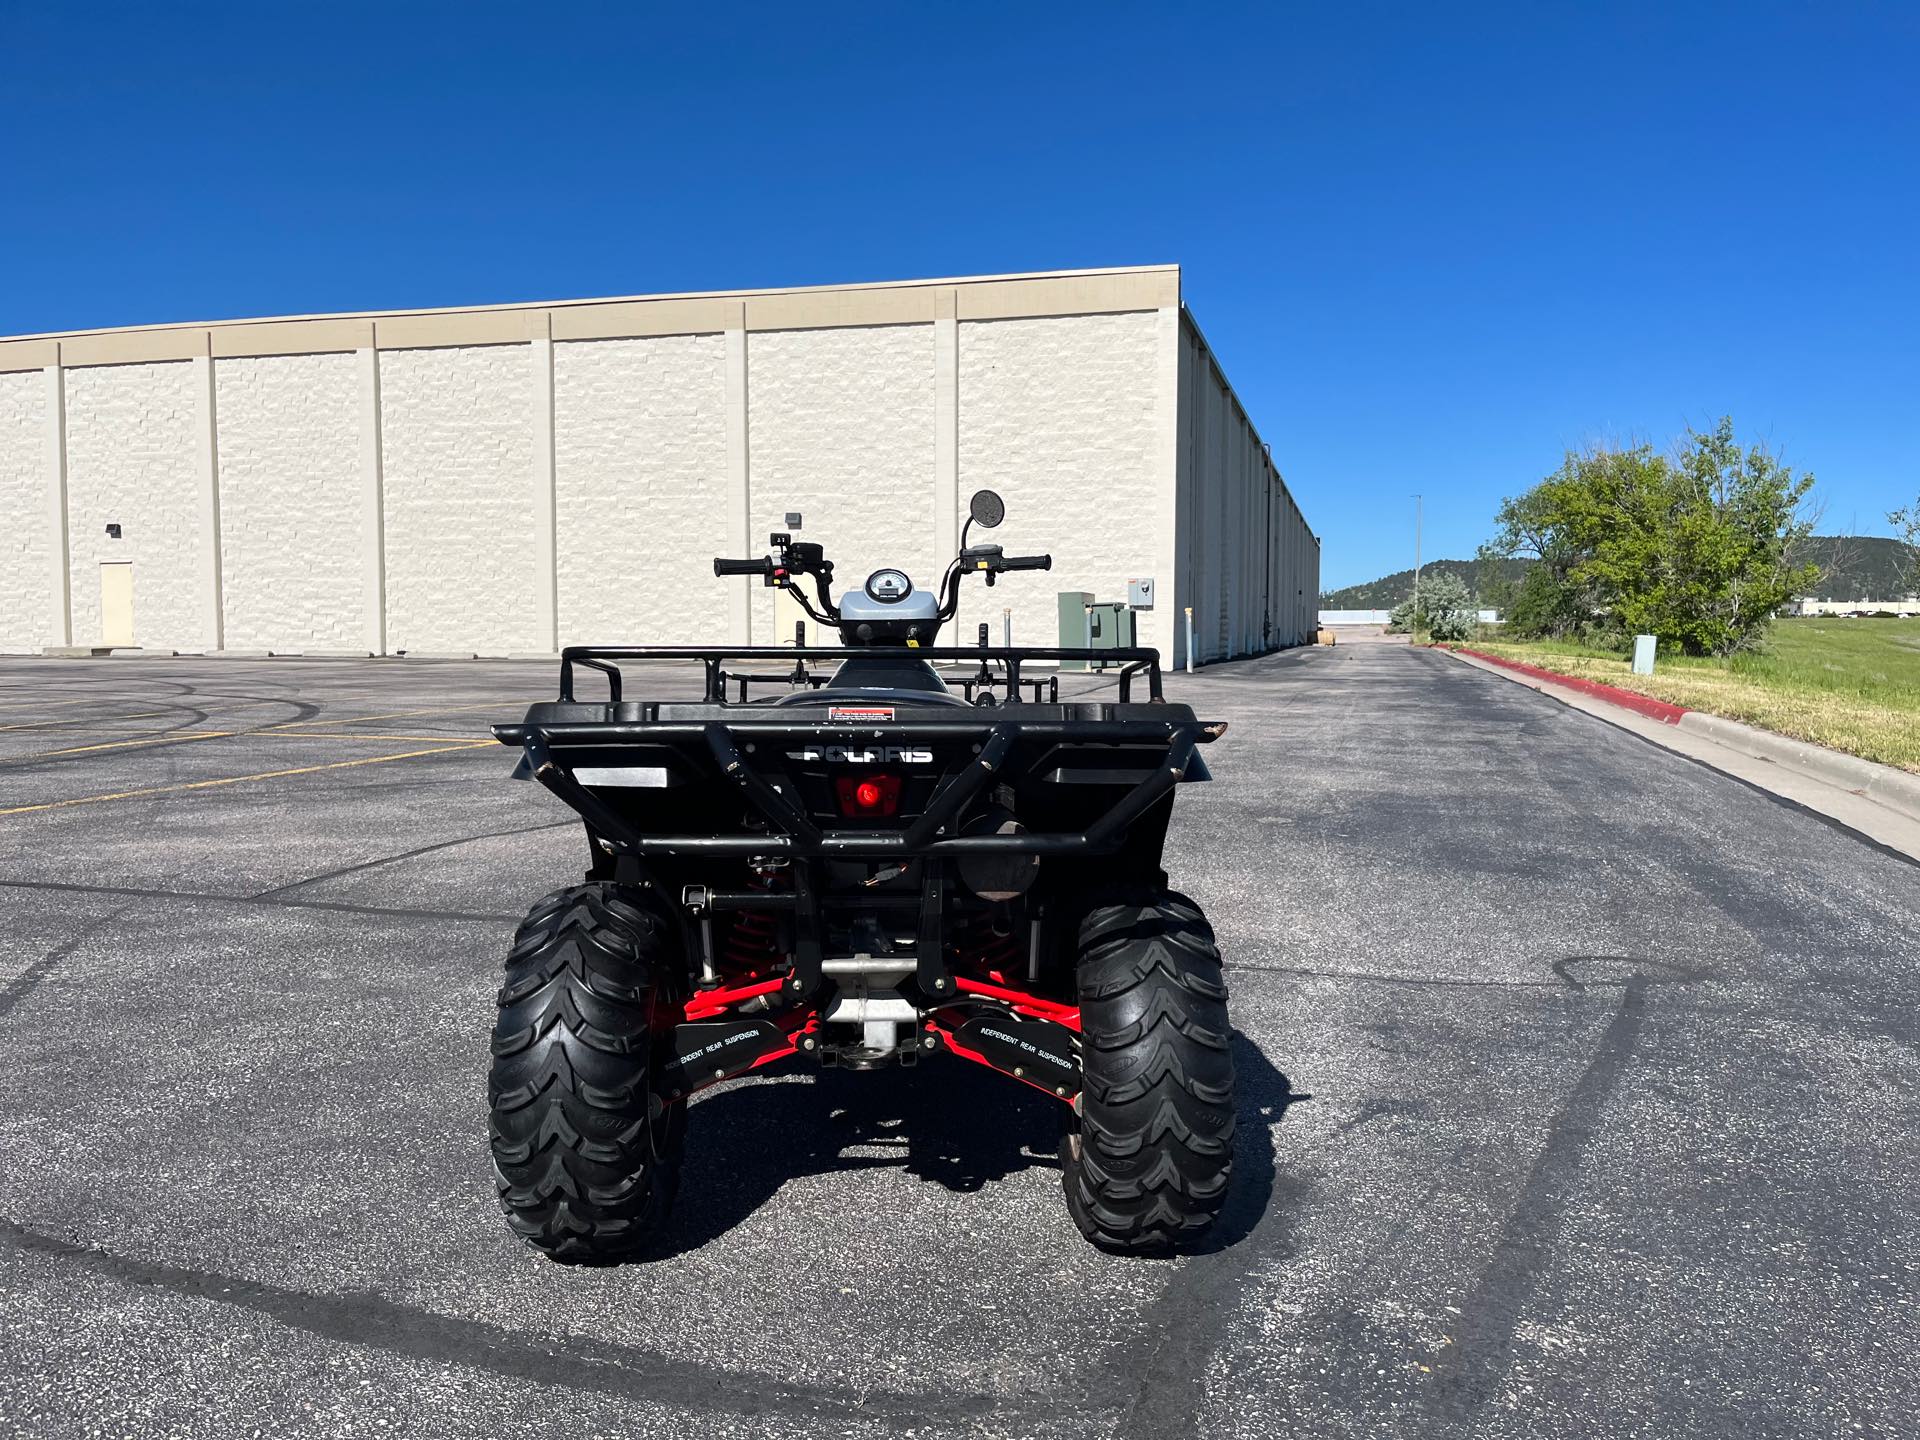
x,y
586,1154
1147,1161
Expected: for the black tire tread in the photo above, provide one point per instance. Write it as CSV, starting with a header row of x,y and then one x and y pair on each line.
x,y
568,1093
1154,1157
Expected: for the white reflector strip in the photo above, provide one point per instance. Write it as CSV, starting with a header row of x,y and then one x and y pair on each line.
x,y
628,777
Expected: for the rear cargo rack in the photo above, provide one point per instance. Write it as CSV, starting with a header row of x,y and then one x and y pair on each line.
x,y
1154,744
791,831
1007,661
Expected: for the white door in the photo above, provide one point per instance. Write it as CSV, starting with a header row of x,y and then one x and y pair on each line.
x,y
116,602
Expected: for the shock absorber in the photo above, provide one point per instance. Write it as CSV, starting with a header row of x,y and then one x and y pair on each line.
x,y
753,939
986,941
752,942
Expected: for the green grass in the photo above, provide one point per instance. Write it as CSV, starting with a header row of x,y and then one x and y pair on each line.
x,y
1853,685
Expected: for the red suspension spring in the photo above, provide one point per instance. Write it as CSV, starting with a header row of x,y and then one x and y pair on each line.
x,y
978,944
751,943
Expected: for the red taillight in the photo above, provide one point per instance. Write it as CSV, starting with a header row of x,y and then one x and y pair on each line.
x,y
868,797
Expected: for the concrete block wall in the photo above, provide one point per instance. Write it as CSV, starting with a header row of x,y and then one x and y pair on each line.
x,y
507,480
132,459
456,454
1250,564
840,427
294,531
1060,415
28,542
640,464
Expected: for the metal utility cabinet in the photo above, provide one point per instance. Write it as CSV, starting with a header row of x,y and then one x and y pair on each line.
x,y
1090,624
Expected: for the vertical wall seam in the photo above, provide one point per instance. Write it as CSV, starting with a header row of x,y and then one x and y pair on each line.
x,y
207,465
739,477
545,500
60,578
1166,550
373,515
946,425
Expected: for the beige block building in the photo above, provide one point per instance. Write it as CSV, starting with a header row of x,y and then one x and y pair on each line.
x,y
510,479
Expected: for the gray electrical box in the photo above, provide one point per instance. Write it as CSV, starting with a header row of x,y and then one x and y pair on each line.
x,y
1109,626
1140,594
1090,624
1075,633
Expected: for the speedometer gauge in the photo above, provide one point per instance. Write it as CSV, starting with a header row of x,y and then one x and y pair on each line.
x,y
888,586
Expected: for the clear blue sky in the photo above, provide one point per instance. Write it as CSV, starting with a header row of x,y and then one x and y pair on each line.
x,y
1433,245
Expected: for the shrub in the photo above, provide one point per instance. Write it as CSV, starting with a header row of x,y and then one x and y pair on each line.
x,y
1447,610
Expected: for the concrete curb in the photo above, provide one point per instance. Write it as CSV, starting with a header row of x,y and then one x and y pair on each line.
x,y
1661,710
1882,786
105,652
1896,789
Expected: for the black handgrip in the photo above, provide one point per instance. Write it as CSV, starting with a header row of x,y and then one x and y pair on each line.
x,y
762,566
1027,562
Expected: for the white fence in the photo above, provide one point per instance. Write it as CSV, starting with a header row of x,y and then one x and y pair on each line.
x,y
1380,617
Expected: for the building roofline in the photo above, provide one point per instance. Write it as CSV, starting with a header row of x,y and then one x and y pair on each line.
x,y
514,306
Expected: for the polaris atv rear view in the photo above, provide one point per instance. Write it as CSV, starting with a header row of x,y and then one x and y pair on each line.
x,y
875,866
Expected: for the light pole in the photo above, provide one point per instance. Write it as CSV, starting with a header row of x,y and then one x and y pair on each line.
x,y
1416,567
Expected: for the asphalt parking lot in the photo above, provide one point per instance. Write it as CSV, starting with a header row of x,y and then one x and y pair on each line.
x,y
1579,1096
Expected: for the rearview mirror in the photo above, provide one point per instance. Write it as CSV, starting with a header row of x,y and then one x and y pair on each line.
x,y
987,509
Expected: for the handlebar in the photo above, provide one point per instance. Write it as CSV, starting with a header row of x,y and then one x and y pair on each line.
x,y
800,560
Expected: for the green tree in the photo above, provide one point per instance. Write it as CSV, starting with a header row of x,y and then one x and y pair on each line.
x,y
1694,548
1906,522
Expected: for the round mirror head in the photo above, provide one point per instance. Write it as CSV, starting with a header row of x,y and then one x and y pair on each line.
x,y
987,509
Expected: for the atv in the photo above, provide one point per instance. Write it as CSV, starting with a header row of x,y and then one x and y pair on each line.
x,y
879,864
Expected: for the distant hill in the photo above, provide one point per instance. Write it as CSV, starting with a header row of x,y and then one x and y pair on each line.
x,y
1852,567
1389,590
1856,567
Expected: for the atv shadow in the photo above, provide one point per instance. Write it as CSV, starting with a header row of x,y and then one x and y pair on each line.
x,y
1263,1094
953,1124
950,1124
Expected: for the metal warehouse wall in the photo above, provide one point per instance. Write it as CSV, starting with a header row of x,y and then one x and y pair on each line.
x,y
1249,564
506,480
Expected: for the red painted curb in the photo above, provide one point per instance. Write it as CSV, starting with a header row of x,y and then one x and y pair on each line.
x,y
1659,709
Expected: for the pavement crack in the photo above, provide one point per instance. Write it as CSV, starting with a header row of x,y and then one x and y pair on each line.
x,y
1165,1373
622,1371
1468,1367
23,984
1378,979
381,911
407,855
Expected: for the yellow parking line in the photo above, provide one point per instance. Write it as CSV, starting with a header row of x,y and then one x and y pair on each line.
x,y
394,715
91,722
52,704
349,735
174,739
178,736
241,779
106,725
